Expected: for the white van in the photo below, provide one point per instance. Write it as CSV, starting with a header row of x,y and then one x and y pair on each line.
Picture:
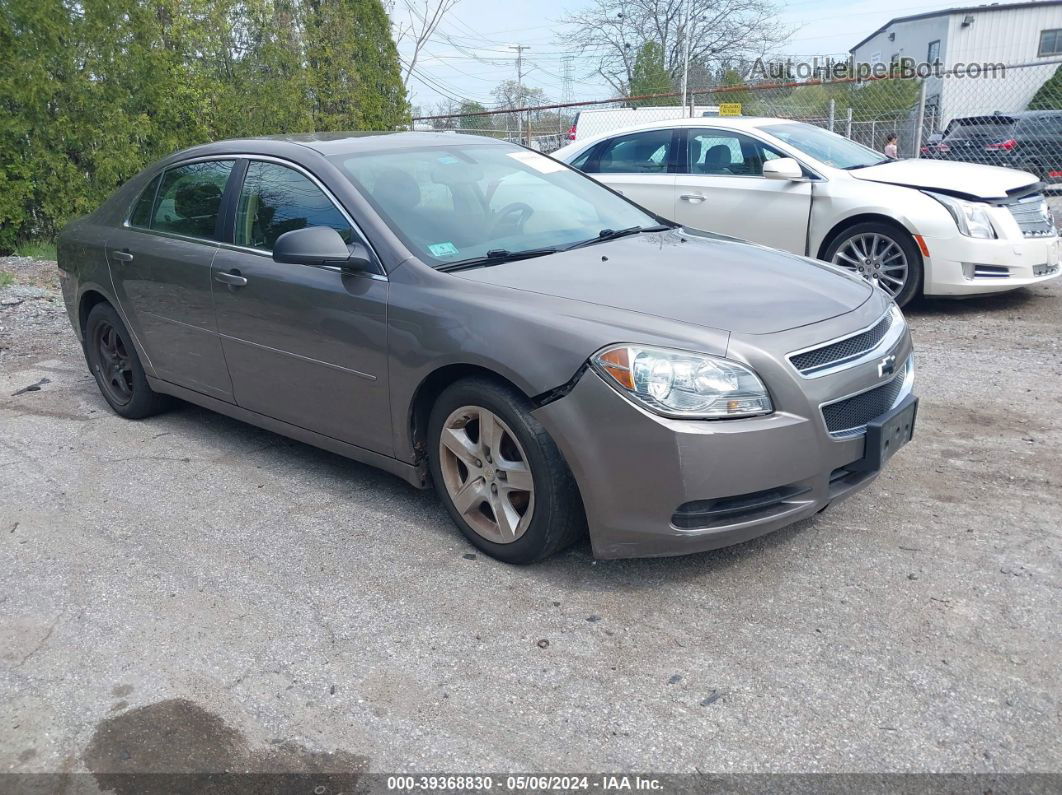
x,y
603,120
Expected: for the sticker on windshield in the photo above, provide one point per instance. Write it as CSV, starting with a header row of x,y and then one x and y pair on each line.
x,y
448,160
537,162
446,249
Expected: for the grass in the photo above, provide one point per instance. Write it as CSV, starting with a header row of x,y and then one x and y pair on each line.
x,y
38,249
6,279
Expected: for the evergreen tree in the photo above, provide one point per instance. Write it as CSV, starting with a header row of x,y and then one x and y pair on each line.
x,y
649,75
1049,95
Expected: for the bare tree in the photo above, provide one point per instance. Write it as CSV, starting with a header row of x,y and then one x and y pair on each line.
x,y
415,21
613,31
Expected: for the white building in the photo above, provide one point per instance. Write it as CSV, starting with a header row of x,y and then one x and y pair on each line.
x,y
1026,37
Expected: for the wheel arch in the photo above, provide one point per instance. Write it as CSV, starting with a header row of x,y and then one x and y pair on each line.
x,y
89,299
862,218
429,389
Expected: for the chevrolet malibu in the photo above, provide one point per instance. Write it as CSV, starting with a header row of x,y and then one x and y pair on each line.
x,y
466,313
909,226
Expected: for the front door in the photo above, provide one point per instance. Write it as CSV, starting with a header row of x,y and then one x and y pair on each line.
x,y
721,188
306,345
638,165
160,267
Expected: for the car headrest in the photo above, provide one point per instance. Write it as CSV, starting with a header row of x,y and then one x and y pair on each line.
x,y
718,156
396,190
197,200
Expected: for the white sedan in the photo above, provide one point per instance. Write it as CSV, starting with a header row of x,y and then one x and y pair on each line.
x,y
911,226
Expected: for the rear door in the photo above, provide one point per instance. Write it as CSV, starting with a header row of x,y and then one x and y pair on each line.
x,y
640,166
160,267
721,188
305,345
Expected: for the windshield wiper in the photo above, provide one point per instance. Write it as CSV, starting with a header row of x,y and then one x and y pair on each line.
x,y
496,257
881,162
612,234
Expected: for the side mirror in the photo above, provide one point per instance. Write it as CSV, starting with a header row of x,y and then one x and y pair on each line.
x,y
320,245
783,168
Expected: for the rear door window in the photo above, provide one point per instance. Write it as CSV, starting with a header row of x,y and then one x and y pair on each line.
x,y
639,153
189,199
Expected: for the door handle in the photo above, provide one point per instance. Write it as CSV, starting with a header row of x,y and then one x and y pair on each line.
x,y
125,255
232,279
693,197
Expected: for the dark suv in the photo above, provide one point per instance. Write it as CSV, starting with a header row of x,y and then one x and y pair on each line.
x,y
1030,141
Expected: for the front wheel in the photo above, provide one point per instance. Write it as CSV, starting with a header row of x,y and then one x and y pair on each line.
x,y
882,254
500,475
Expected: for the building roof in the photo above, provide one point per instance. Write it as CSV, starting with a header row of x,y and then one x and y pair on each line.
x,y
960,10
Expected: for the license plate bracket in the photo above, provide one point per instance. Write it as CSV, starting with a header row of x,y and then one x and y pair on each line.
x,y
887,434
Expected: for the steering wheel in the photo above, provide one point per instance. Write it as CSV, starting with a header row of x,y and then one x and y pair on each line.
x,y
512,215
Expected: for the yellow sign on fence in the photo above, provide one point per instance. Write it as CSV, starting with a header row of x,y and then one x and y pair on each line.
x,y
730,109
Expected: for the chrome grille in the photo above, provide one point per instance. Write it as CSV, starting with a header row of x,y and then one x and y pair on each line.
x,y
835,353
1033,216
850,416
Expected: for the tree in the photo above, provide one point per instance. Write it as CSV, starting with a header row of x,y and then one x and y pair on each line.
x,y
473,122
719,30
354,72
649,76
415,24
511,95
92,90
1049,95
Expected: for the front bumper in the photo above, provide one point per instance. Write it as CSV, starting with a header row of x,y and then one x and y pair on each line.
x,y
959,265
644,479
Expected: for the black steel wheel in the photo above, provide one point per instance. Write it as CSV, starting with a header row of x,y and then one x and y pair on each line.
x,y
116,367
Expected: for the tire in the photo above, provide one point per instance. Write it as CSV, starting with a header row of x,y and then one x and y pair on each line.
x,y
114,363
881,270
535,522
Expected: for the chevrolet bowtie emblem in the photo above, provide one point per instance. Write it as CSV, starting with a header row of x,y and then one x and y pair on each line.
x,y
887,366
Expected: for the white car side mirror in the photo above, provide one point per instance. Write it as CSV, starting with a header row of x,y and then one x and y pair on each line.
x,y
782,168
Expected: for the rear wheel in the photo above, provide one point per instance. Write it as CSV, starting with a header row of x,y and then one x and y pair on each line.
x,y
116,366
882,254
500,475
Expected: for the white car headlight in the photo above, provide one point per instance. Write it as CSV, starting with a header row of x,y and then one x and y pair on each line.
x,y
682,384
971,217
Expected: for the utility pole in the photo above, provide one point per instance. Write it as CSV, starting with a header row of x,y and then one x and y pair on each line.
x,y
519,83
686,56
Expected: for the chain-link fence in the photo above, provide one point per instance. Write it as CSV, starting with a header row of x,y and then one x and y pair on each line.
x,y
997,114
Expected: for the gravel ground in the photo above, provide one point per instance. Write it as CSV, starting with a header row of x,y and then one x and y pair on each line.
x,y
189,587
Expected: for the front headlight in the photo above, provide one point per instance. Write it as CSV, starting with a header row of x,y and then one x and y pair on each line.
x,y
971,217
681,384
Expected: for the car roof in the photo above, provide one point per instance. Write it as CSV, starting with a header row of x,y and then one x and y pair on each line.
x,y
726,122
337,143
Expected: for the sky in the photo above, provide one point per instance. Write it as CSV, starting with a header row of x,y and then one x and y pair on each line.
x,y
470,55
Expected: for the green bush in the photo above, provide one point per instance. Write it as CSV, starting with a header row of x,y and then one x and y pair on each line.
x,y
91,92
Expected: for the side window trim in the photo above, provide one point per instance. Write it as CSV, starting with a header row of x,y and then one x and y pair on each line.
x,y
230,241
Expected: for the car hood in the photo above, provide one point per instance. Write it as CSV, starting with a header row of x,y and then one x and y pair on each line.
x,y
949,176
691,277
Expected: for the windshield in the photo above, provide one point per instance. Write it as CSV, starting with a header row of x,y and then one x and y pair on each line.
x,y
456,203
823,145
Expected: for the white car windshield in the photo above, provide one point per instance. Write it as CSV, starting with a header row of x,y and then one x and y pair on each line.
x,y
830,148
463,202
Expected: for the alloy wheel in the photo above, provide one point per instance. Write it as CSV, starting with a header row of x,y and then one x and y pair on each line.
x,y
877,258
113,364
486,474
